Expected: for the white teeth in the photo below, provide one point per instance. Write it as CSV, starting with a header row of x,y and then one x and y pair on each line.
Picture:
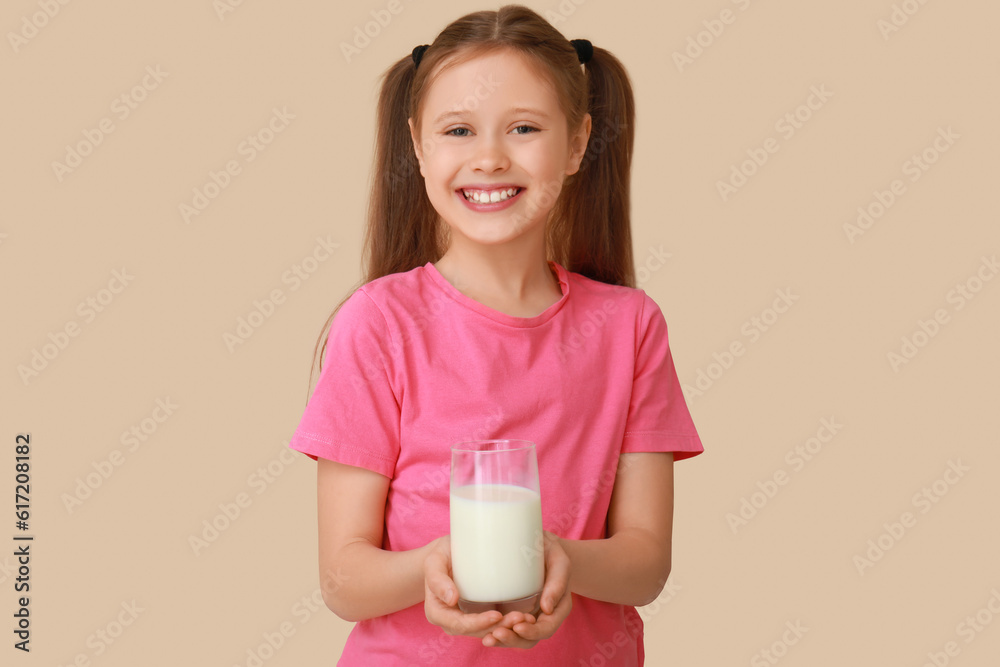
x,y
483,197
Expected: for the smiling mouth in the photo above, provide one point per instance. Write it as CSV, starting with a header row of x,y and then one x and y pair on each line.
x,y
490,196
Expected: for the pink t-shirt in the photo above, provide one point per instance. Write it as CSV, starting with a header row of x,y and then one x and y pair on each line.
x,y
413,365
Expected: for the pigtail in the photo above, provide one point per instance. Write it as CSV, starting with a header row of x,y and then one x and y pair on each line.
x,y
401,231
591,221
402,224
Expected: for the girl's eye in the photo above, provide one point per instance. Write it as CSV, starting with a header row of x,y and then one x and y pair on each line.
x,y
452,132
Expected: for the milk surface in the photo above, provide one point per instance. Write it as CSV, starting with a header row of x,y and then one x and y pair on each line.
x,y
495,542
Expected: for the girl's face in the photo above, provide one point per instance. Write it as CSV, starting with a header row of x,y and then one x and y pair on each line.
x,y
494,148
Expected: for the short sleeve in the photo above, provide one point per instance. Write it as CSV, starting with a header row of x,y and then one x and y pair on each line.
x,y
353,415
658,416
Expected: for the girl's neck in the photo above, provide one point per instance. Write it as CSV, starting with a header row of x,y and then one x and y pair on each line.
x,y
522,288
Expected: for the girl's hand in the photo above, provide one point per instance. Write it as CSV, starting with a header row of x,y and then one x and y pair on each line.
x,y
441,599
556,603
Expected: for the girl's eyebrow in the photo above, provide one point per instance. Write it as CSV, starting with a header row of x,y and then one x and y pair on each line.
x,y
527,110
447,115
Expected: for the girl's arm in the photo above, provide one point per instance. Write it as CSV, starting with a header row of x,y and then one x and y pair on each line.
x,y
632,564
358,579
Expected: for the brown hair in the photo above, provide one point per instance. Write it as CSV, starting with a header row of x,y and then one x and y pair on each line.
x,y
589,228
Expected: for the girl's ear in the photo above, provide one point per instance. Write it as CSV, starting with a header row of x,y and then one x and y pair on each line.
x,y
578,145
416,144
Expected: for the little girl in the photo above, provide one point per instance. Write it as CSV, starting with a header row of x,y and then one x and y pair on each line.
x,y
499,302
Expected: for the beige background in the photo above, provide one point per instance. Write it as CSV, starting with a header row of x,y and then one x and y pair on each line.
x,y
162,336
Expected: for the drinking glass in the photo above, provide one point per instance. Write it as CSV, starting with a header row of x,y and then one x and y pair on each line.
x,y
497,549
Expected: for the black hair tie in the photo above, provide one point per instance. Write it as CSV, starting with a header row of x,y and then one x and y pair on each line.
x,y
584,49
418,53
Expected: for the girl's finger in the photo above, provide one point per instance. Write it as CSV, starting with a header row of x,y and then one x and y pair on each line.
x,y
509,639
446,594
556,579
468,624
437,579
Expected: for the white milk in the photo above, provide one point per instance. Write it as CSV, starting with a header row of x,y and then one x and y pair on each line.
x,y
495,542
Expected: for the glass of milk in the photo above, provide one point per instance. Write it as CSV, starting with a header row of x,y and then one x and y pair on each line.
x,y
497,549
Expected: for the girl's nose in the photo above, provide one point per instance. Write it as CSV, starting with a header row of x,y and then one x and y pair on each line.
x,y
489,155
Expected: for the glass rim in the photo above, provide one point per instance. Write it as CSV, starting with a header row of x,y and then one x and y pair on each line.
x,y
469,445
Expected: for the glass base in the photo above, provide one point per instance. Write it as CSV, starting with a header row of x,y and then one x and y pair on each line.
x,y
528,605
